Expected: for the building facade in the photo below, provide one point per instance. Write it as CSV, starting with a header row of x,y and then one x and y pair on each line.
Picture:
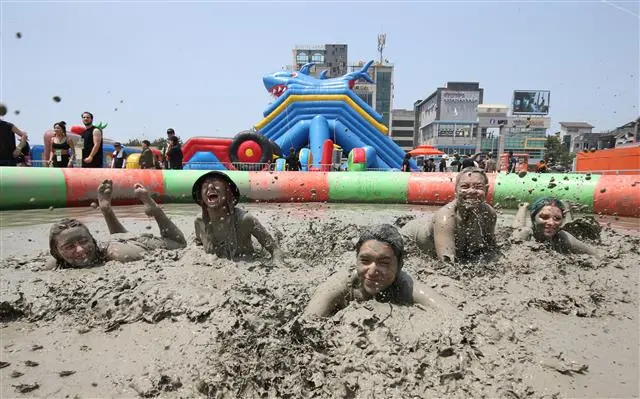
x,y
401,129
447,119
330,57
378,95
571,134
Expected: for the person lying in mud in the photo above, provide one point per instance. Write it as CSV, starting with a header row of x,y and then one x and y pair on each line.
x,y
378,275
461,229
223,229
72,245
547,216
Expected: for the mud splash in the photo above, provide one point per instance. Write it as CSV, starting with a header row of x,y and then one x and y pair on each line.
x,y
530,323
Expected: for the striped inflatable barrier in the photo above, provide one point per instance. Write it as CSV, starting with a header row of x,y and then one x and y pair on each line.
x,y
25,188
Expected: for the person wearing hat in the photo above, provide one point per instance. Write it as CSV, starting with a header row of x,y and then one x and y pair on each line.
x,y
223,229
377,275
118,157
166,147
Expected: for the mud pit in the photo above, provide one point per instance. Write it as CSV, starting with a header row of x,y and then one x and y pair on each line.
x,y
532,323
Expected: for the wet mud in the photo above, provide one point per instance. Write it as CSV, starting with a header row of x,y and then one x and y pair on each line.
x,y
529,322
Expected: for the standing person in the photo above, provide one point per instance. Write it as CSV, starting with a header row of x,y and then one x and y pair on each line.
x,y
173,154
456,163
405,163
490,164
165,148
513,161
442,167
146,158
24,158
118,157
62,152
8,149
92,156
293,161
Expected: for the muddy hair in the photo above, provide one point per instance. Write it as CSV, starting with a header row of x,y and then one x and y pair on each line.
x,y
59,227
473,169
384,233
540,203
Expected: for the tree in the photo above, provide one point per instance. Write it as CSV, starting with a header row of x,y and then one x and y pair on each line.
x,y
556,153
158,143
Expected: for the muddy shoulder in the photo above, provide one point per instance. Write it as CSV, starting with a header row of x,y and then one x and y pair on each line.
x,y
529,323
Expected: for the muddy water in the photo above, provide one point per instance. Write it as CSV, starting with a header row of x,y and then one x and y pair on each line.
x,y
183,323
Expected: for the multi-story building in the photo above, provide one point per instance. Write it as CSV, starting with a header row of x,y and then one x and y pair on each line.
x,y
447,119
401,130
330,57
379,95
571,132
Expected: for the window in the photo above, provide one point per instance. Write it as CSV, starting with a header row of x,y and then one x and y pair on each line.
x,y
302,58
317,57
402,123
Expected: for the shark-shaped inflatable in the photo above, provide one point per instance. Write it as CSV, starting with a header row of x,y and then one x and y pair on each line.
x,y
277,83
308,111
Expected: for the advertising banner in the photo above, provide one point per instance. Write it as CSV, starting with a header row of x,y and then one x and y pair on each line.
x,y
531,102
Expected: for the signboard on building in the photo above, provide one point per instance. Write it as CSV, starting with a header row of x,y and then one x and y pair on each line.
x,y
531,102
459,105
533,123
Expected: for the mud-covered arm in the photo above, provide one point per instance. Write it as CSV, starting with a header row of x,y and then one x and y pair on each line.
x,y
568,216
444,233
329,296
265,239
124,252
427,297
576,246
521,216
492,218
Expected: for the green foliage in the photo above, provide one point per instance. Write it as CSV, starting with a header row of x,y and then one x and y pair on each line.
x,y
556,153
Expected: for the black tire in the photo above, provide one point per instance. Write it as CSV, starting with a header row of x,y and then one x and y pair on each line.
x,y
263,142
275,149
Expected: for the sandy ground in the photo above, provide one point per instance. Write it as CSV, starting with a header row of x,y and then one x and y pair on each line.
x,y
532,323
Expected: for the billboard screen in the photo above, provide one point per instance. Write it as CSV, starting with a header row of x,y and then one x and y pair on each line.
x,y
531,102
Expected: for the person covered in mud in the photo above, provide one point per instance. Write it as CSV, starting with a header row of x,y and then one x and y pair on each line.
x,y
378,275
464,227
72,245
223,229
547,216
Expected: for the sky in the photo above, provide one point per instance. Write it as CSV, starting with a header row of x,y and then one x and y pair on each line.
x,y
197,66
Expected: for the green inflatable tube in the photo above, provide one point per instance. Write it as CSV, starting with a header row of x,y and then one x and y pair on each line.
x,y
40,188
512,189
371,186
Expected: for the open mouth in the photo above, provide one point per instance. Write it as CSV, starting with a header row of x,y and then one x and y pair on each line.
x,y
278,90
212,196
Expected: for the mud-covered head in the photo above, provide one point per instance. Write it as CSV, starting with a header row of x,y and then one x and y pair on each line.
x,y
547,215
472,186
215,190
379,255
72,245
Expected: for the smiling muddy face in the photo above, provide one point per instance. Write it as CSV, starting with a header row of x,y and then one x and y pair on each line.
x,y
377,266
547,221
471,187
215,193
70,242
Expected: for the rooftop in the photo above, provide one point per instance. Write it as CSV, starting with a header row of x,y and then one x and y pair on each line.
x,y
576,124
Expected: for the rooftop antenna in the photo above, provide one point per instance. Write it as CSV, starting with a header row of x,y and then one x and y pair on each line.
x,y
382,41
